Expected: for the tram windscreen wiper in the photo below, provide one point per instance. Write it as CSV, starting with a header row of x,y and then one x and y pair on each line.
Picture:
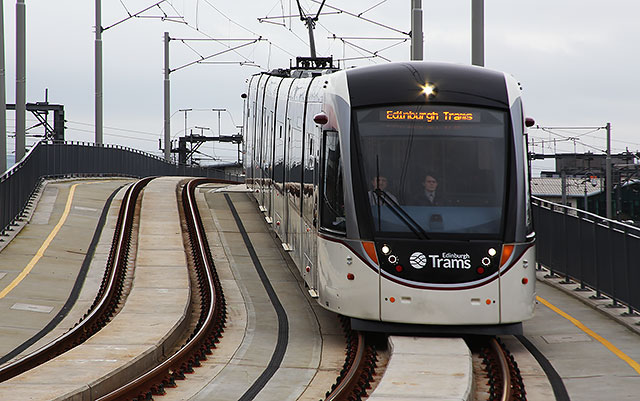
x,y
401,213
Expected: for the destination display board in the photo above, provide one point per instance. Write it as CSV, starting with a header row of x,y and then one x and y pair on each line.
x,y
428,117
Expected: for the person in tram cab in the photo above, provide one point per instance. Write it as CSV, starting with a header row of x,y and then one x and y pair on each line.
x,y
429,195
380,183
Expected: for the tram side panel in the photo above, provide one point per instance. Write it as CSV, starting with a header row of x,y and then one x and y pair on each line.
x,y
270,109
346,284
250,132
283,132
517,290
260,140
293,174
310,184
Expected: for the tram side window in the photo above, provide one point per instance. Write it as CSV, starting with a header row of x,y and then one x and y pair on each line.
x,y
332,212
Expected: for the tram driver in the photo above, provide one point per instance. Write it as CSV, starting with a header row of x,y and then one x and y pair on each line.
x,y
380,183
429,195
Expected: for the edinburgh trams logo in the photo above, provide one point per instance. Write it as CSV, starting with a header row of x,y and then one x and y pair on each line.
x,y
418,260
444,260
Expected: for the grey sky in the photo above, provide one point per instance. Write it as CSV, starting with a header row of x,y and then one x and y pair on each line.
x,y
575,59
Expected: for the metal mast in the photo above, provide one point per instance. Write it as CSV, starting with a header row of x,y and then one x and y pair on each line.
x,y
607,181
98,74
21,80
167,101
3,97
417,39
477,32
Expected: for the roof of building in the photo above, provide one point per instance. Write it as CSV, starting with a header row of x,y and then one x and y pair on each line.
x,y
547,186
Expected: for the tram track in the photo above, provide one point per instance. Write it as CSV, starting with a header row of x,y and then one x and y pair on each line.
x,y
107,300
210,323
497,375
353,382
359,367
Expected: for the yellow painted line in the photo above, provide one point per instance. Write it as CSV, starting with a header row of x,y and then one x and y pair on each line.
x,y
45,244
635,365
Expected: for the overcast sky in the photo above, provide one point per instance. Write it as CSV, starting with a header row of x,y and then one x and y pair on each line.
x,y
577,60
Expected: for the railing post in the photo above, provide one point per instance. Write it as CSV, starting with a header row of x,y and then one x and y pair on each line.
x,y
627,270
595,258
614,294
550,253
566,247
581,273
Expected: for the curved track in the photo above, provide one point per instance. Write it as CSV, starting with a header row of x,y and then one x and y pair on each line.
x,y
106,301
210,324
358,370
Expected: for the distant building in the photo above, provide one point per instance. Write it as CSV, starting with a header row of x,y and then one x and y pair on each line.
x,y
580,164
586,172
550,188
625,197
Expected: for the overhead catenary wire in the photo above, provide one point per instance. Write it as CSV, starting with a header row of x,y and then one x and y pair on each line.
x,y
364,19
139,14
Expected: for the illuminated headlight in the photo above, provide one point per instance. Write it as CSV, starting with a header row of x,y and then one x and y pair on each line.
x,y
385,249
492,252
429,90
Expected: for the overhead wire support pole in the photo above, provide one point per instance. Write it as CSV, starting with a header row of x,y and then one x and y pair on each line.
x,y
477,32
98,75
98,70
21,80
167,81
167,101
3,96
608,183
417,39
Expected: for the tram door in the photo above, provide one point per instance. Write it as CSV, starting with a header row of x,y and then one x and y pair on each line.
x,y
280,200
268,163
310,207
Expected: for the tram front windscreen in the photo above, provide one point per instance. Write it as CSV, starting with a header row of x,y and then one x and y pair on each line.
x,y
434,168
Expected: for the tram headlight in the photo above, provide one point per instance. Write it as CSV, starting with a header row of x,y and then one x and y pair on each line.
x,y
385,249
429,90
492,252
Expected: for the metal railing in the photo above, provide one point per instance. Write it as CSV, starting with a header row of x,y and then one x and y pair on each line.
x,y
48,159
596,252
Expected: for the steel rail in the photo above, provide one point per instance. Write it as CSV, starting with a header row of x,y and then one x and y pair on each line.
x,y
358,370
210,325
106,301
350,380
505,370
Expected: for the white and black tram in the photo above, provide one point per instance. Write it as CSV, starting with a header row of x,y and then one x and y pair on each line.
x,y
401,191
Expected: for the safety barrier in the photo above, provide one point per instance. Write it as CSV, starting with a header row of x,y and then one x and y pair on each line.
x,y
48,159
596,252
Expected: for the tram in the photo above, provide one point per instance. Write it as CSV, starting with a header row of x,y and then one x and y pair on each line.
x,y
400,190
